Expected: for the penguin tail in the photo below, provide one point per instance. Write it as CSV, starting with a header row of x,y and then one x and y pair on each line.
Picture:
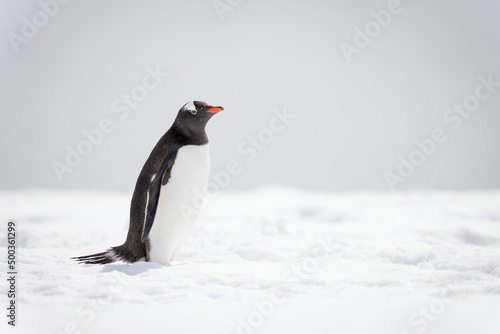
x,y
111,255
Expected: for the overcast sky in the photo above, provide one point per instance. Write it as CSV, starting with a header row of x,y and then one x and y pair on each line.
x,y
326,95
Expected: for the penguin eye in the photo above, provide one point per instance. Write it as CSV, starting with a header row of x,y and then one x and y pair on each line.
x,y
190,107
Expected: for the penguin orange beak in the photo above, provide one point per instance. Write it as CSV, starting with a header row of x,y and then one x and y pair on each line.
x,y
215,110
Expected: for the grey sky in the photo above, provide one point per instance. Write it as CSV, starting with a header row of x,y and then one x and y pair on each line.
x,y
353,120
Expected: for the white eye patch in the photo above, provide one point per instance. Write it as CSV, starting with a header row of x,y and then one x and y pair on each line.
x,y
190,107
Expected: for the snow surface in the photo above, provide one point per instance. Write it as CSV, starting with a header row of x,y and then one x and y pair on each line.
x,y
273,260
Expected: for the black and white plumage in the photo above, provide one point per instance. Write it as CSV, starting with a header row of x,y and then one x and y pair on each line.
x,y
163,208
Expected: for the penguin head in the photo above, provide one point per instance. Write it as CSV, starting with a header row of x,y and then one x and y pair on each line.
x,y
194,115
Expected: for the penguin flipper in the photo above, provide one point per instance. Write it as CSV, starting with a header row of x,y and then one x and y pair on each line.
x,y
154,193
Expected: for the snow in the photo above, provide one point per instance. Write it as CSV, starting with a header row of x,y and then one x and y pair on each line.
x,y
272,260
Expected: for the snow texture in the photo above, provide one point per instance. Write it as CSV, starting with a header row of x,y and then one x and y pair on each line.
x,y
273,260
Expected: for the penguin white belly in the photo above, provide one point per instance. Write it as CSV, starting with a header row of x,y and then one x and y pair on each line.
x,y
179,202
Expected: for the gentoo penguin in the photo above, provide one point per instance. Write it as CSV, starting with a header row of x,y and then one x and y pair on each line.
x,y
175,173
